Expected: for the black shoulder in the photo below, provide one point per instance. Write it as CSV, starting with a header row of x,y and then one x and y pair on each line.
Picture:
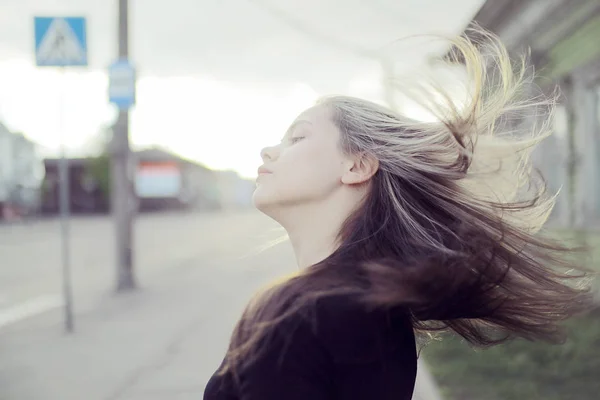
x,y
334,348
351,332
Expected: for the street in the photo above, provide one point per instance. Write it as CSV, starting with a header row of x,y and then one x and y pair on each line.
x,y
31,260
195,271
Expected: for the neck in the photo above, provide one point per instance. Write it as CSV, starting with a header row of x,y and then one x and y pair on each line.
x,y
313,228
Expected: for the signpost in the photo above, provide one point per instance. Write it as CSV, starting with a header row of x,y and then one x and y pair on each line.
x,y
62,42
121,86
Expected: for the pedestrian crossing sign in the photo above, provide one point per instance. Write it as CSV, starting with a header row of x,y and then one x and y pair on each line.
x,y
60,41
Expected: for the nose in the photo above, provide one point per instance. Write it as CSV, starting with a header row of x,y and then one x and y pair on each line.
x,y
268,153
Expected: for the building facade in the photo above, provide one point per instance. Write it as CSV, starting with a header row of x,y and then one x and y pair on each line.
x,y
164,180
562,37
21,174
160,180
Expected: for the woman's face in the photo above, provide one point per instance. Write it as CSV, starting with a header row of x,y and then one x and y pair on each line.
x,y
306,167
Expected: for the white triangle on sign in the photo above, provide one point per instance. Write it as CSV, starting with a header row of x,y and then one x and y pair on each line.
x,y
60,45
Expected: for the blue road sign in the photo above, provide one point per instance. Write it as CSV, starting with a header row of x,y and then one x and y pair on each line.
x,y
60,41
121,85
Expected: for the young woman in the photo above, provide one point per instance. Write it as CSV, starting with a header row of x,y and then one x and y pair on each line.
x,y
401,226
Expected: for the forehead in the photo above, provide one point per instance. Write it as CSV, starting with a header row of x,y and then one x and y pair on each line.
x,y
317,115
318,118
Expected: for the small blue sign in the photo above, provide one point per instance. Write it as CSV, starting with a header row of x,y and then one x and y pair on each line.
x,y
60,41
121,85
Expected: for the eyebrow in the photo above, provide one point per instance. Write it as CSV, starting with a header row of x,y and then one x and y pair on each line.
x,y
294,125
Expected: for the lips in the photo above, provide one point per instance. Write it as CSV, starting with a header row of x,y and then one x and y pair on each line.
x,y
263,171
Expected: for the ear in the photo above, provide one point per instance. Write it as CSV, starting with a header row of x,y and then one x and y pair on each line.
x,y
360,169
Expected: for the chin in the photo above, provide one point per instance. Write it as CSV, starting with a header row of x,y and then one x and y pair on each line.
x,y
261,200
266,203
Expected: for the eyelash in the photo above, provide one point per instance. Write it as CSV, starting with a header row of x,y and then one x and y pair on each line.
x,y
296,139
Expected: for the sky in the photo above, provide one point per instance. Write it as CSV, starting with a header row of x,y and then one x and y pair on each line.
x,y
218,79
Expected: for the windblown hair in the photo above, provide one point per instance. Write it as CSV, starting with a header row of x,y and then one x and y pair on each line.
x,y
450,228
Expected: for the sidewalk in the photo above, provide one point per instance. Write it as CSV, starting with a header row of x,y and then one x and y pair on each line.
x,y
162,342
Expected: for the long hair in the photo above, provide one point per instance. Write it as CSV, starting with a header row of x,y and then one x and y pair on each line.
x,y
451,226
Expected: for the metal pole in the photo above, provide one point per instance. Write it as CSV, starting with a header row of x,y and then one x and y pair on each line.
x,y
122,199
64,201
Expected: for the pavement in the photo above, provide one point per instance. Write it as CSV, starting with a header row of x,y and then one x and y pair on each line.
x,y
163,341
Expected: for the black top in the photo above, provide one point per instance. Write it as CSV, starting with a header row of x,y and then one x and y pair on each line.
x,y
344,353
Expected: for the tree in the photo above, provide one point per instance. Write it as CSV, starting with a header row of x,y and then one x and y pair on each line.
x,y
98,166
99,169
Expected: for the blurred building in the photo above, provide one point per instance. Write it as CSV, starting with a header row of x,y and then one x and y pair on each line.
x,y
563,37
234,191
86,194
21,174
165,180
160,180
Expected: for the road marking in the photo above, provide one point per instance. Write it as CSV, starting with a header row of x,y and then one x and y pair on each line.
x,y
28,309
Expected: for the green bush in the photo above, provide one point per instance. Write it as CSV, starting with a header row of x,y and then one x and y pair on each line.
x,y
99,168
520,369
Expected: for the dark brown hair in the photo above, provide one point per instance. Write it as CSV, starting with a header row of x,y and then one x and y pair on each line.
x,y
450,228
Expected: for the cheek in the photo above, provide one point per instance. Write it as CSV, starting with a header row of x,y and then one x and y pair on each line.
x,y
313,166
300,177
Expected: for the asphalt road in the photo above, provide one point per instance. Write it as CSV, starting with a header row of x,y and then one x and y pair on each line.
x,y
31,263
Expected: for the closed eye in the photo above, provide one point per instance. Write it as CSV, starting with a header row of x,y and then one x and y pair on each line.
x,y
296,139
